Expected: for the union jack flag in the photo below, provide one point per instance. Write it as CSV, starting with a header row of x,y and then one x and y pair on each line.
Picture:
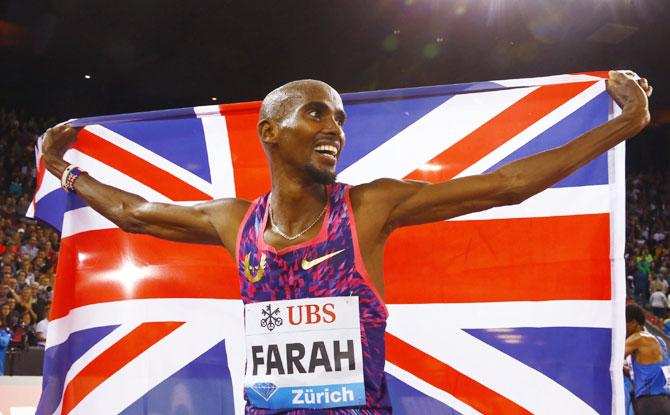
x,y
514,310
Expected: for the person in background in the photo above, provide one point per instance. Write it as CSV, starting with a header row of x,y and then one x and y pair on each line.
x,y
628,389
659,303
650,362
5,336
23,332
42,327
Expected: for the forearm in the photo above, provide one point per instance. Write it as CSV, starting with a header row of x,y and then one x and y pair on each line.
x,y
533,174
114,204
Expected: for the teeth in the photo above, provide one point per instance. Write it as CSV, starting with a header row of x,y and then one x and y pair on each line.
x,y
332,150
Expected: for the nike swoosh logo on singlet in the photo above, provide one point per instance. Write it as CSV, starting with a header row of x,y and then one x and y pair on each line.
x,y
307,264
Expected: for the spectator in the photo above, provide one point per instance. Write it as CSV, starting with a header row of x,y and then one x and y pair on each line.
x,y
656,283
23,332
42,327
14,314
659,304
4,313
30,248
5,336
24,302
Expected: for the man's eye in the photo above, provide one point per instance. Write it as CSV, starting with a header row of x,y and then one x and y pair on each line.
x,y
313,113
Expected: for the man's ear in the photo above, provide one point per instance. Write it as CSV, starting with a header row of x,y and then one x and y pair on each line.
x,y
268,131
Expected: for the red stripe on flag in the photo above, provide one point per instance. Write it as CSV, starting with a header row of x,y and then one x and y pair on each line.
x,y
598,74
498,130
527,259
113,359
111,265
443,376
252,173
137,168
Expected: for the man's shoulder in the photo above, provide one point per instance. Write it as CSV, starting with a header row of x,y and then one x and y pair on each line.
x,y
385,189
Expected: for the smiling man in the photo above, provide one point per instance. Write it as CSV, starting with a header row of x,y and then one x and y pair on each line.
x,y
310,252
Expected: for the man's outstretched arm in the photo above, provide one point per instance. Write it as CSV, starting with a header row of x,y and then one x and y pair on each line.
x,y
515,182
212,222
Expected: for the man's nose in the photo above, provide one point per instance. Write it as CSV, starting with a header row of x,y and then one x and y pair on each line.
x,y
333,126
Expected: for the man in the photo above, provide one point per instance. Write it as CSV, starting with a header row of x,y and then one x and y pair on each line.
x,y
651,365
30,248
312,238
659,303
42,326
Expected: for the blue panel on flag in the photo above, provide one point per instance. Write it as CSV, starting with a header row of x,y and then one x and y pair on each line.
x,y
408,401
371,124
589,116
201,387
58,360
577,358
181,140
53,206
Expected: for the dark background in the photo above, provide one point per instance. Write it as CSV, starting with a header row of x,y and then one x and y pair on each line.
x,y
150,54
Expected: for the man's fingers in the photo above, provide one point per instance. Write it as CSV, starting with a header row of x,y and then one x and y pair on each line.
x,y
649,90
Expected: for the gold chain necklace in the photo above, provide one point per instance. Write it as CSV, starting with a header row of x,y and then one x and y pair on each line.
x,y
279,232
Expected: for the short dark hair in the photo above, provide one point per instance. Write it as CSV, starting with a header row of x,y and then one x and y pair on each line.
x,y
636,313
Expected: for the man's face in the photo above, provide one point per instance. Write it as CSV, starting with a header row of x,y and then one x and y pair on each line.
x,y
11,302
632,327
311,135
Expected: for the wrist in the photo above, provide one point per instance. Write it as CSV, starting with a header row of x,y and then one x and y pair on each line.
x,y
56,165
636,118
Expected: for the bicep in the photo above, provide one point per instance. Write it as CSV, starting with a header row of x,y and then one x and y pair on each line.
x,y
631,346
456,197
201,223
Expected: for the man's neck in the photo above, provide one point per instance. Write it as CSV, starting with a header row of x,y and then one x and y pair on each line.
x,y
295,203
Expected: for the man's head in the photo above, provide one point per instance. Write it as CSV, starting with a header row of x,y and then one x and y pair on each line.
x,y
634,319
300,126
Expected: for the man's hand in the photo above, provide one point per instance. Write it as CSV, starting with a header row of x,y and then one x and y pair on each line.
x,y
631,93
58,140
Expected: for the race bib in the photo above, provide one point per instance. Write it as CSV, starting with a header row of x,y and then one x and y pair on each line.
x,y
304,353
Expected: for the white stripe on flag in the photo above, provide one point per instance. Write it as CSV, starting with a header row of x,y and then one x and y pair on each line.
x,y
436,329
94,352
428,389
151,157
218,151
559,201
431,135
208,322
559,313
548,80
159,362
86,219
534,130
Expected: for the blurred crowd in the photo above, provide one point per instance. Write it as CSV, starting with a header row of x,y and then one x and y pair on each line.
x,y
28,248
648,242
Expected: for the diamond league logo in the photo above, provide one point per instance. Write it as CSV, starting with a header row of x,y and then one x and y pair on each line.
x,y
271,319
265,389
